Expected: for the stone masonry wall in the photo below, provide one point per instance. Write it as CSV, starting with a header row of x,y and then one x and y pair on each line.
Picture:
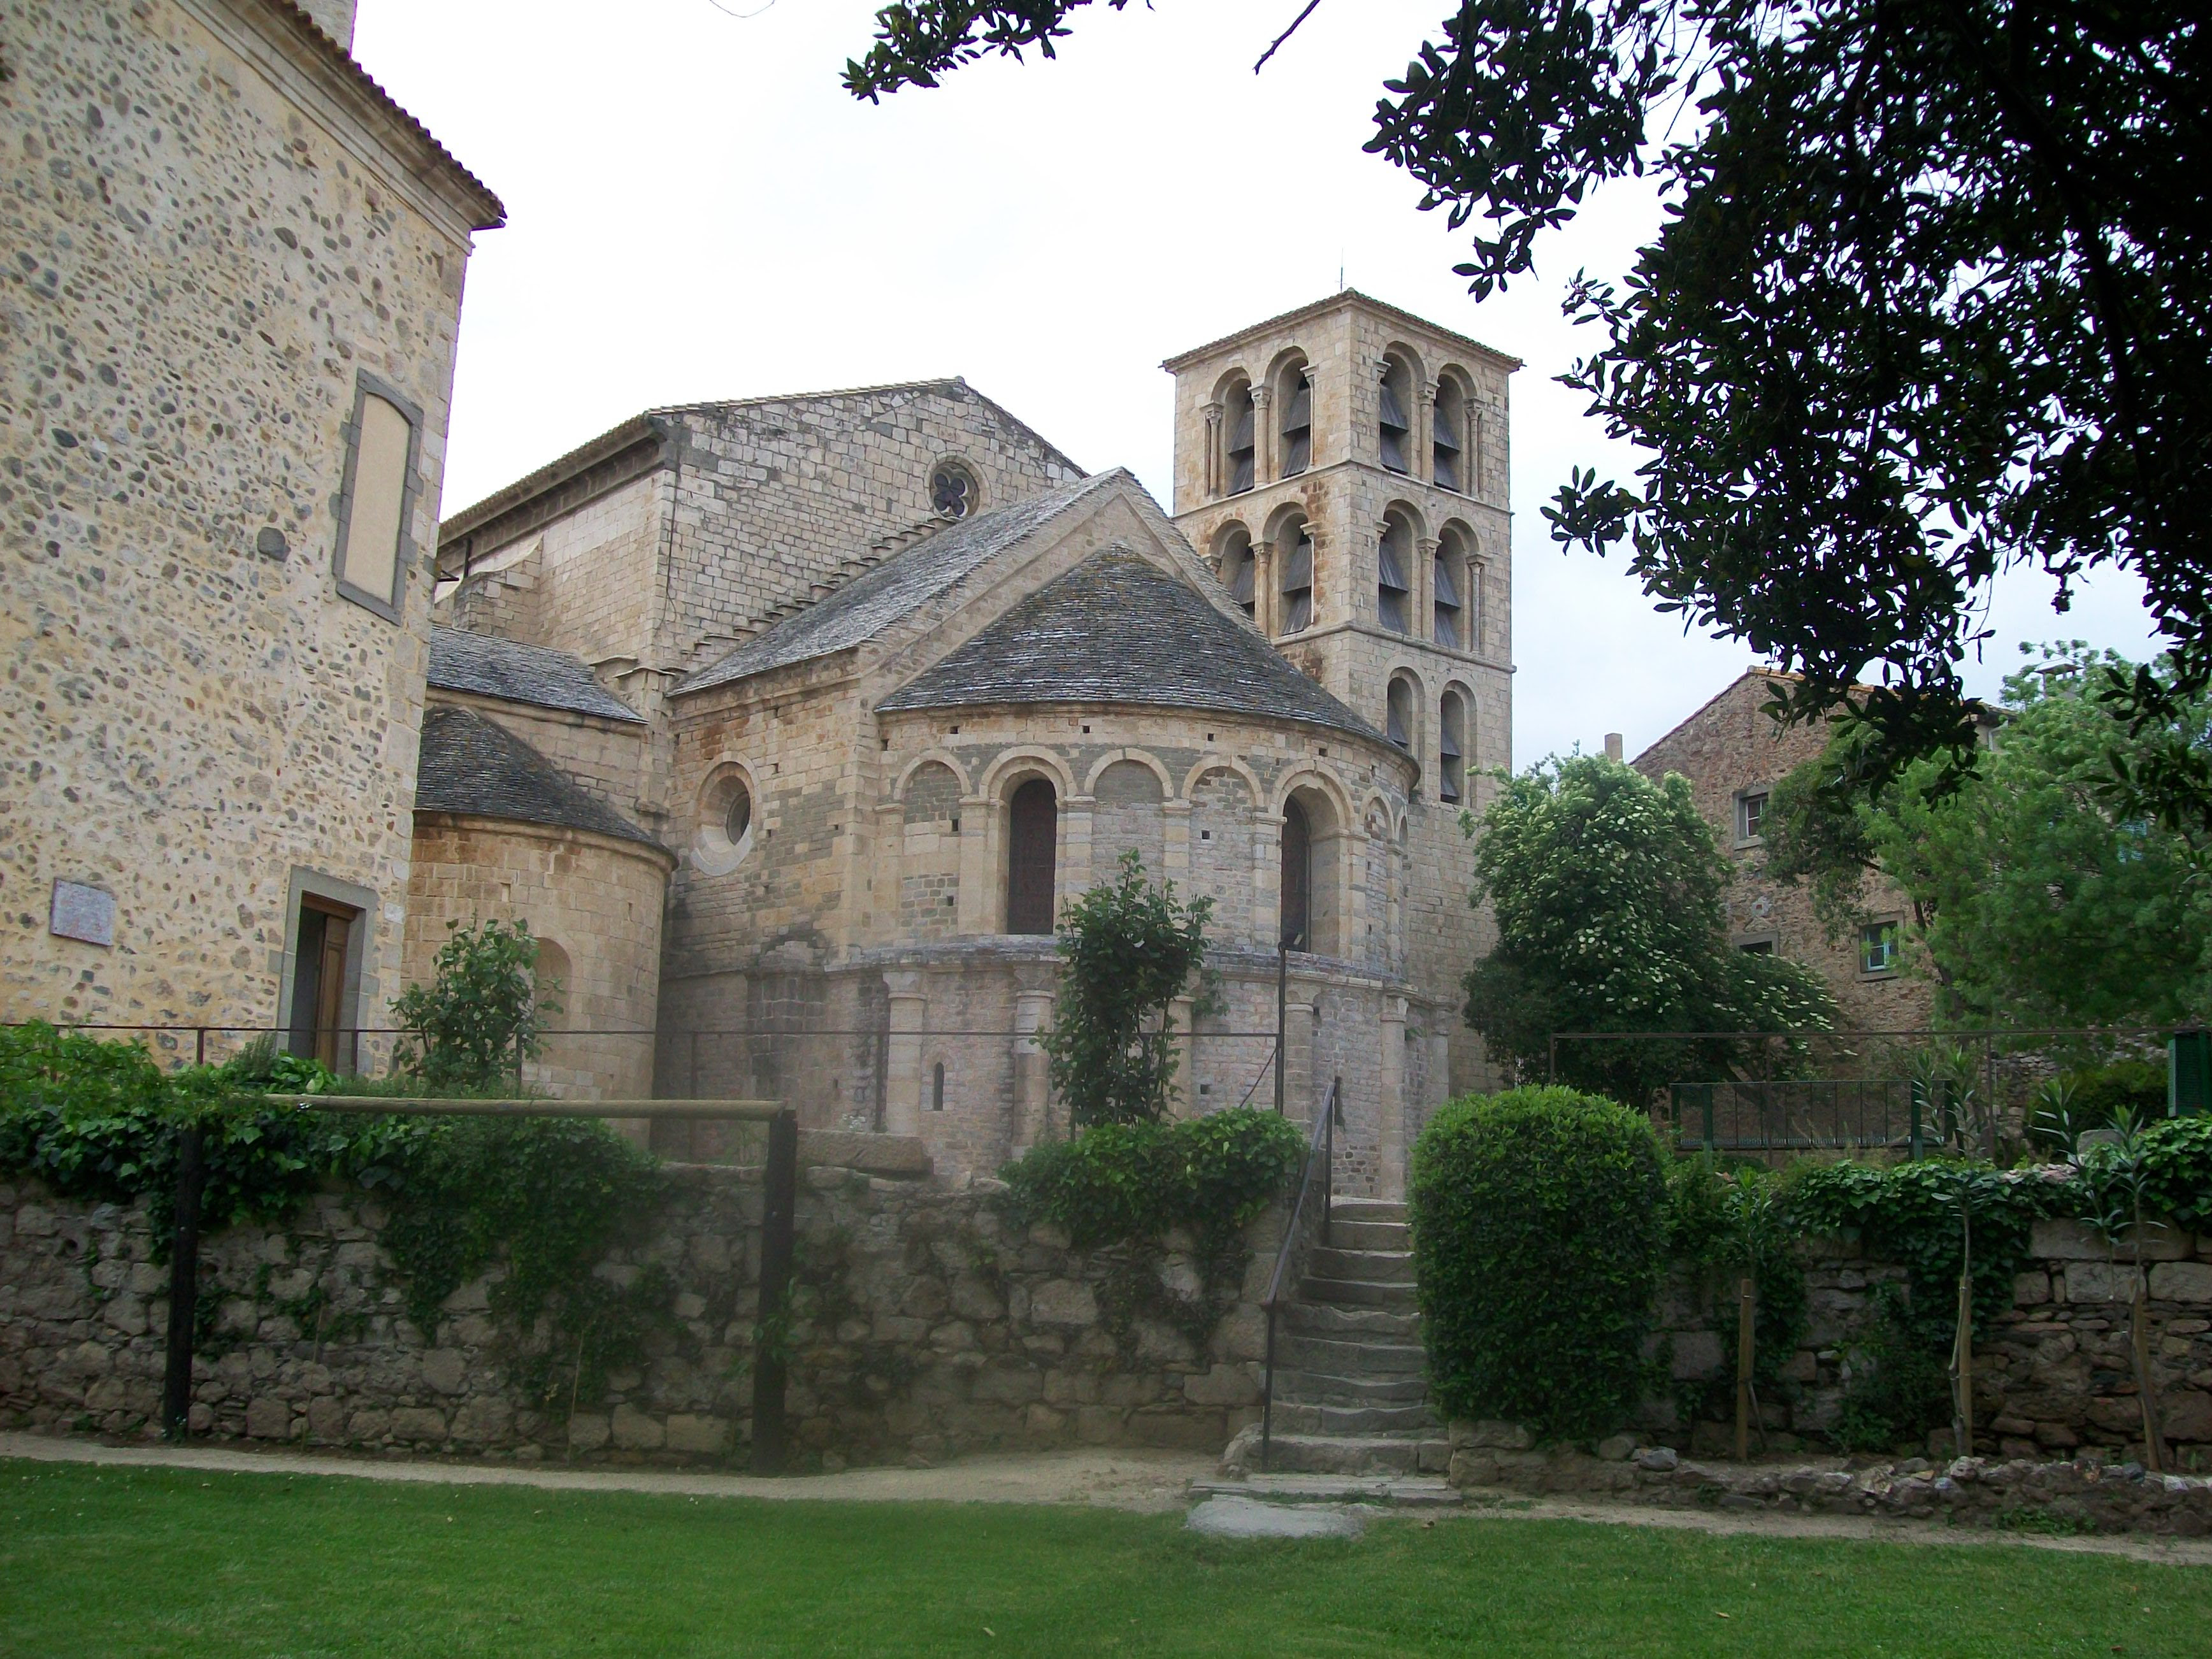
x,y
2053,1379
926,1327
206,248
1729,746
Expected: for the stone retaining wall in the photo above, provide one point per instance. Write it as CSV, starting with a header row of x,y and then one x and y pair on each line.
x,y
926,1326
2082,1495
2053,1377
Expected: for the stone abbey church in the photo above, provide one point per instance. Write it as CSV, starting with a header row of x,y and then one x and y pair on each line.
x,y
788,724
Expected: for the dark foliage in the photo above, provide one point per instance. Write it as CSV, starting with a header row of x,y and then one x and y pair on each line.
x,y
1538,1225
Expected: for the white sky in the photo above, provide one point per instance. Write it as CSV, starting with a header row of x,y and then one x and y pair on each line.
x,y
697,209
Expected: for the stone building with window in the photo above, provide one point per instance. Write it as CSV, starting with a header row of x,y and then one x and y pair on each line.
x,y
233,290
905,679
1734,752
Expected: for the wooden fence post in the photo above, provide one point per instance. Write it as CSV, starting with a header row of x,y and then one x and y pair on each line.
x,y
183,1284
1745,1349
772,1330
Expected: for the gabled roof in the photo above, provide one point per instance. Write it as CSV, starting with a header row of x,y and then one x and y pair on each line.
x,y
1119,629
472,765
895,589
648,435
535,674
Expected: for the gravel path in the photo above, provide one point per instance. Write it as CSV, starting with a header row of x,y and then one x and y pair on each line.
x,y
1148,1481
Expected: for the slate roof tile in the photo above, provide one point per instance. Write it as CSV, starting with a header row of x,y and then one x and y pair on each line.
x,y
536,674
1119,629
895,589
472,765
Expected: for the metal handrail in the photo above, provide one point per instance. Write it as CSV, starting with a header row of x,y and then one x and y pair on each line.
x,y
1321,1141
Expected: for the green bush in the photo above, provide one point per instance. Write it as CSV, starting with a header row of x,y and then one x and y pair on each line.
x,y
1725,1221
1538,1225
1117,1182
472,1026
2095,1095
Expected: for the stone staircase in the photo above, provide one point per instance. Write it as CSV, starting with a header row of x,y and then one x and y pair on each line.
x,y
1351,1397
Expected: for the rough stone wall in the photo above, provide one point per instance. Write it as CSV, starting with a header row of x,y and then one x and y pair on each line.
x,y
211,252
773,496
599,899
1729,746
2053,1378
1344,497
926,1326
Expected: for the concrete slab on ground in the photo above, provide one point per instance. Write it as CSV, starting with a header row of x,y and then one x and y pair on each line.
x,y
1246,1517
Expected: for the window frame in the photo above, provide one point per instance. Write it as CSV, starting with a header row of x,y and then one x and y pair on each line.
x,y
1746,835
390,606
1890,932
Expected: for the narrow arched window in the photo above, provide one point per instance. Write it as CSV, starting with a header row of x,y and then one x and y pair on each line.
x,y
1238,569
1451,747
1398,714
937,1087
1297,876
1445,445
1297,565
1392,585
1446,596
1237,420
1297,424
1395,429
1032,837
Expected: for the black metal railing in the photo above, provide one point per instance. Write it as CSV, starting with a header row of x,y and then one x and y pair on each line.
x,y
1320,1161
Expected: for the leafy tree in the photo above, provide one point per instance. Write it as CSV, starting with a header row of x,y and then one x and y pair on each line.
x,y
2038,901
484,1014
1130,948
1608,891
1930,300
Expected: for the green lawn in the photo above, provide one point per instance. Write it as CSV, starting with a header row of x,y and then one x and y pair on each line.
x,y
147,1562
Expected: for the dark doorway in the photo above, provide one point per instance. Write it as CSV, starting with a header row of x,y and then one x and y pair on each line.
x,y
1297,876
320,958
1032,840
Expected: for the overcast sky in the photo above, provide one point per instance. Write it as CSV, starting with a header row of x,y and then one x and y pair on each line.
x,y
697,211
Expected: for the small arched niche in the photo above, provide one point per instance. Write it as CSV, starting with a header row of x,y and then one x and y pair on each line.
x,y
1240,468
552,980
1393,567
1393,419
1448,445
1294,559
1294,401
1453,590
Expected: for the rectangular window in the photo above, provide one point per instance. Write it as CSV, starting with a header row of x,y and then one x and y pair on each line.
x,y
1878,947
1757,947
383,457
1750,815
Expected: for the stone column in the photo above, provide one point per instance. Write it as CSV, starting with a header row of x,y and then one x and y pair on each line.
x,y
979,895
903,1063
1032,1066
1263,436
1390,1106
1263,585
1302,1092
1424,435
1075,872
1439,1060
1175,816
1423,621
885,869
1182,1095
1211,481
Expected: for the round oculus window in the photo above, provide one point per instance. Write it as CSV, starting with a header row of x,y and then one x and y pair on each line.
x,y
952,492
738,816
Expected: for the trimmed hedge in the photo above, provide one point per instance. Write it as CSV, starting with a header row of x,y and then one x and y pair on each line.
x,y
1539,1221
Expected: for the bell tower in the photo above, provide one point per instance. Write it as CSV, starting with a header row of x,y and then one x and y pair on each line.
x,y
1343,469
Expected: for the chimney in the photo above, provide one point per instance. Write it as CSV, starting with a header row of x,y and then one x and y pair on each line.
x,y
1613,745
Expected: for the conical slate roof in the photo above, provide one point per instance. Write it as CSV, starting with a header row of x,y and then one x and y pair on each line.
x,y
1119,629
472,765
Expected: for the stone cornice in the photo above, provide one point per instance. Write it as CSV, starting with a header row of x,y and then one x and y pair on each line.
x,y
323,80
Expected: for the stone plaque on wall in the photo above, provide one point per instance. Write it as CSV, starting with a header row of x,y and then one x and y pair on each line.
x,y
82,912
